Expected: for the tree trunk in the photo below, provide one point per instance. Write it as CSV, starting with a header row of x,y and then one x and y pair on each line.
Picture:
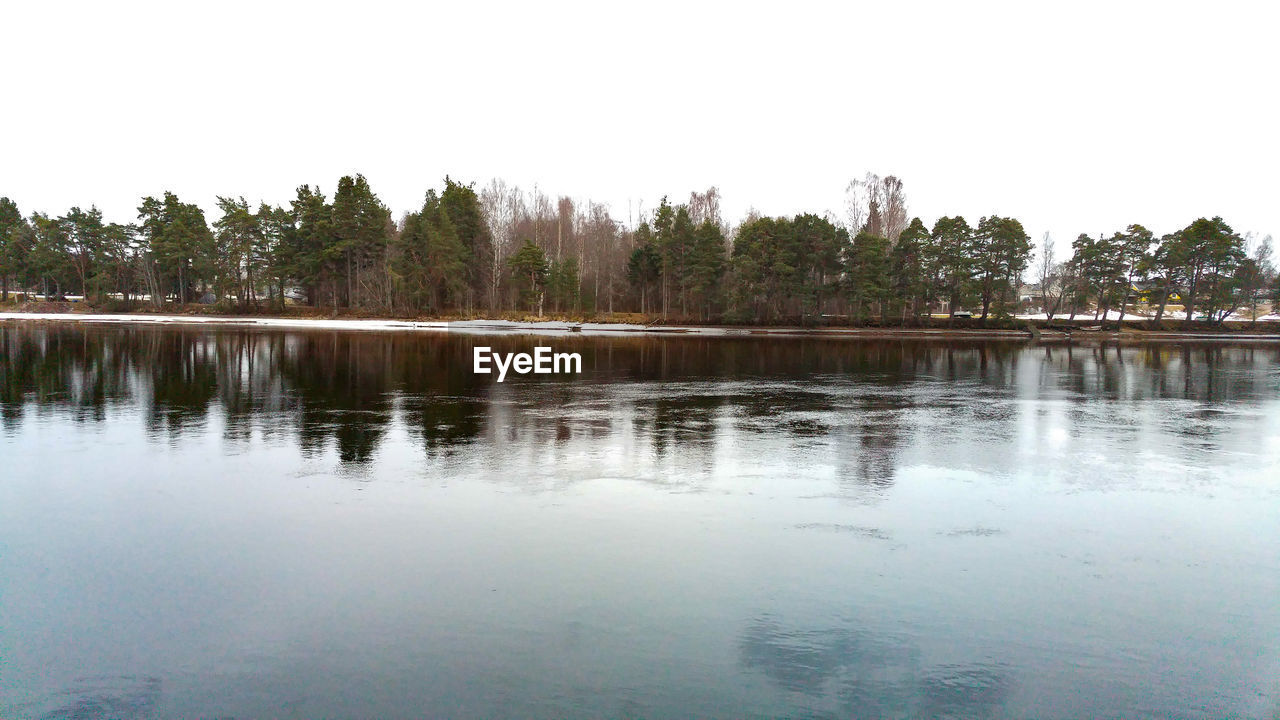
x,y
1124,300
1189,305
1164,300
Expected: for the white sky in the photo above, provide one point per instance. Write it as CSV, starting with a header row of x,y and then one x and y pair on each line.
x,y
1073,117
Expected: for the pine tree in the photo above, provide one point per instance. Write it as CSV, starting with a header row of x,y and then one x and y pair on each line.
x,y
359,225
1135,244
951,241
12,249
867,273
706,266
909,269
1212,251
529,274
303,249
664,242
644,265
431,261
767,264
462,206
563,284
817,245
181,244
1000,250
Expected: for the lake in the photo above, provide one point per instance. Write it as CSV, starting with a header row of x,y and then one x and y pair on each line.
x,y
240,523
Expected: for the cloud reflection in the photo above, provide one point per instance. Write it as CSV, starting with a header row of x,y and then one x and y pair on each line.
x,y
870,674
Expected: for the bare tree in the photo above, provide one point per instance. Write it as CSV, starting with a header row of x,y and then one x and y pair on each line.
x,y
1258,273
598,248
564,224
856,204
542,217
705,206
503,206
893,207
886,196
1045,270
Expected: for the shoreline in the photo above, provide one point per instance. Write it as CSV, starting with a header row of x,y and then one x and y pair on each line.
x,y
617,329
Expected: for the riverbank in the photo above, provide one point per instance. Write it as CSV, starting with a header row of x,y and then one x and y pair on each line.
x,y
1268,332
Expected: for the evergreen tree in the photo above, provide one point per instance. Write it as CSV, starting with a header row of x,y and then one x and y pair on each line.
x,y
181,244
529,275
867,273
1135,244
1164,268
49,264
909,269
431,262
563,284
1000,250
303,250
239,235
644,265
665,243
359,225
462,206
767,264
273,252
1201,260
678,251
83,237
952,249
118,263
817,244
13,228
706,266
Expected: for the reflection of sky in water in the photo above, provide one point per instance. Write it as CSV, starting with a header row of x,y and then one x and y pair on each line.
x,y
245,523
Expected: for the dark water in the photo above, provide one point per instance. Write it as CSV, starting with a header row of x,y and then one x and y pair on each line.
x,y
238,523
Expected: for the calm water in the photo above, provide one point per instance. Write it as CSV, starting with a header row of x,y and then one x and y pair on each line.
x,y
238,523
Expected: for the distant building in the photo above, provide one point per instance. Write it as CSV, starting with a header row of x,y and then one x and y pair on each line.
x,y
1149,293
1030,298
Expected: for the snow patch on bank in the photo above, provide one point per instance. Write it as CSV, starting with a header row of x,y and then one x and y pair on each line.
x,y
546,327
469,326
318,323
1112,315
495,327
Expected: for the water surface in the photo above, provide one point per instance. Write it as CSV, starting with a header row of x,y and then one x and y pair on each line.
x,y
203,522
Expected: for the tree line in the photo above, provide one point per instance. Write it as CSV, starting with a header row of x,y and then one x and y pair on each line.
x,y
1204,267
501,249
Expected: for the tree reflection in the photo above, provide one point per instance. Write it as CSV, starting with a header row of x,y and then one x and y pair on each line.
x,y
443,422
343,387
869,445
869,674
684,422
180,371
875,405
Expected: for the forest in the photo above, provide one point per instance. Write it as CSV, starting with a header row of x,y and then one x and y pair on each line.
x,y
502,251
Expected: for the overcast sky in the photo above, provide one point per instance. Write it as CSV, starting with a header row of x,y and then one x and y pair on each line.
x,y
1073,117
